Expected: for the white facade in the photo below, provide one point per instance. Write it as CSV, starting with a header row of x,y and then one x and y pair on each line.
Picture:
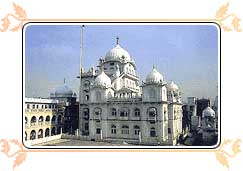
x,y
113,106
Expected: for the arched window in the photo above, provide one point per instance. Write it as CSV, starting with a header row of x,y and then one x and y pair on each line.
x,y
109,95
113,112
32,135
86,84
152,112
97,111
152,93
125,129
86,97
53,131
40,133
59,119
47,119
98,96
169,131
152,132
136,130
47,132
136,112
40,120
25,136
33,120
113,129
124,112
53,119
165,114
86,113
26,120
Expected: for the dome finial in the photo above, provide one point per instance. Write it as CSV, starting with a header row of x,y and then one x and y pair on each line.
x,y
117,40
154,67
102,68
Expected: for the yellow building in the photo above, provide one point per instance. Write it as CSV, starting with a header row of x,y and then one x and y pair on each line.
x,y
43,118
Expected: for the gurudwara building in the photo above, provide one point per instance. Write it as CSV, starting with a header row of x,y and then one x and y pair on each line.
x,y
115,107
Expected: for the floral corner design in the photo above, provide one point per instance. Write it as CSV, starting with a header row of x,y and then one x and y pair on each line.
x,y
18,154
223,18
224,156
19,17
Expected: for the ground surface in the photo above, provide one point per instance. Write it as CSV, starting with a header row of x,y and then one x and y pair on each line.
x,y
71,142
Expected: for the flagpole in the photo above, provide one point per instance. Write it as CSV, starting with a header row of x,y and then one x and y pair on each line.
x,y
80,83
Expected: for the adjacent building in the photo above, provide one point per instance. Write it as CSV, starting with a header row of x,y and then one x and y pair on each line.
x,y
45,117
42,118
68,105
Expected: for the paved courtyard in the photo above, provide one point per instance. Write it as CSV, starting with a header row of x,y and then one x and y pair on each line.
x,y
72,142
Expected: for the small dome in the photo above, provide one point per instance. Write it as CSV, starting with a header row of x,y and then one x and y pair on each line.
x,y
154,76
173,86
208,112
117,53
63,91
102,79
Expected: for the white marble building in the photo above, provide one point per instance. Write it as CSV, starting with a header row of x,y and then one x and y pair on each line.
x,y
114,107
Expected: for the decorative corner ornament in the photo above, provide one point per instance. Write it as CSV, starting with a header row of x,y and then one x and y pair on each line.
x,y
19,17
223,19
223,156
19,154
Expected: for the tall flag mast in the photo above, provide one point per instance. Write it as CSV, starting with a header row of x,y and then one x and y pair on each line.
x,y
80,77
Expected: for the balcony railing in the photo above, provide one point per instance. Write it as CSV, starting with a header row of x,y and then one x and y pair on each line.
x,y
40,123
124,99
41,110
123,117
152,118
33,124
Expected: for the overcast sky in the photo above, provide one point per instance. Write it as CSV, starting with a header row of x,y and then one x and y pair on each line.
x,y
186,54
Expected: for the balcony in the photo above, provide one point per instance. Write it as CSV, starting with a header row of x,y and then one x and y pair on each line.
x,y
97,117
86,117
123,118
151,118
41,123
112,117
53,122
33,124
127,99
137,118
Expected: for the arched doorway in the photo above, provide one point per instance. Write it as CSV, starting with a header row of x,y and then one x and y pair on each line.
x,y
40,133
32,135
47,132
53,131
33,121
25,136
59,130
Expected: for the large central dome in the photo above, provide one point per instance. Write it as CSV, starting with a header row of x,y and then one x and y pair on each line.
x,y
117,53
